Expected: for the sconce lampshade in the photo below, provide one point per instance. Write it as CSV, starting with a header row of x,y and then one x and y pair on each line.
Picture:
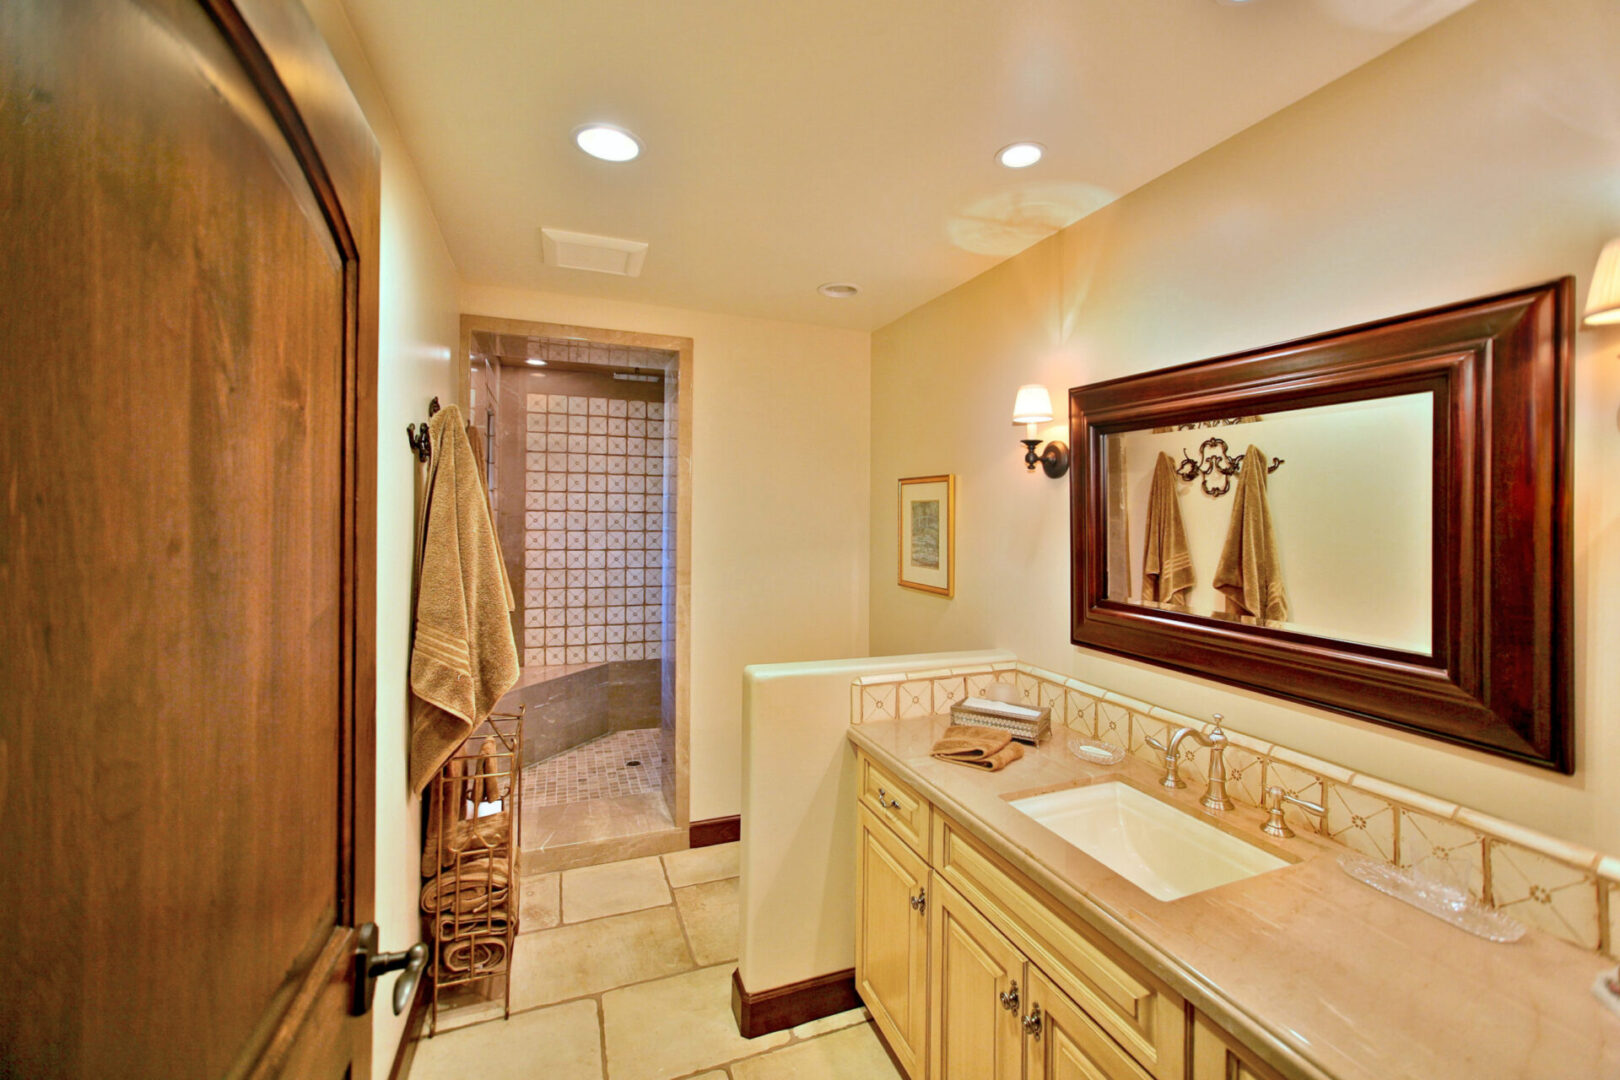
x,y
1603,302
1033,406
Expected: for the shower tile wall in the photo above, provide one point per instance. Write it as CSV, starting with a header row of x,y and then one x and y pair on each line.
x,y
593,529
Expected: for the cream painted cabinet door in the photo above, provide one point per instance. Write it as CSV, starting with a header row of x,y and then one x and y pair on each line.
x,y
891,940
1217,1056
1066,1044
975,990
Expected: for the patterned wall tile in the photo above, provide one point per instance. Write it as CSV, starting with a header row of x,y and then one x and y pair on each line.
x,y
1359,821
1082,712
1113,723
979,685
916,698
1142,726
1054,696
1545,893
1443,850
949,691
1029,689
1245,771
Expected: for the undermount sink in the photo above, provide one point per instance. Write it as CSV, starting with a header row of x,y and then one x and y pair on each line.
x,y
1166,852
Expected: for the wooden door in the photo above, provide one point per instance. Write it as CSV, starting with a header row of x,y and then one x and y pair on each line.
x,y
1218,1056
891,939
1064,1043
188,214
977,991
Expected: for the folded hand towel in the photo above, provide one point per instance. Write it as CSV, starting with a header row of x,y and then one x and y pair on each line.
x,y
1167,573
464,657
983,748
482,954
474,886
1249,574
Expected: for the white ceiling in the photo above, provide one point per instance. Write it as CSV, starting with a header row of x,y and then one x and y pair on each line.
x,y
789,143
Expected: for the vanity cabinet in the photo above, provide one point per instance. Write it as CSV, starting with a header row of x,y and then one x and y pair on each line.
x,y
891,938
1218,1056
973,973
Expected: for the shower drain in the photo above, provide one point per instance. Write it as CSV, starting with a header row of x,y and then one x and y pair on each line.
x,y
631,763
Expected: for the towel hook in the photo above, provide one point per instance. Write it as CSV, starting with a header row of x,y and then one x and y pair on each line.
x,y
1216,462
419,439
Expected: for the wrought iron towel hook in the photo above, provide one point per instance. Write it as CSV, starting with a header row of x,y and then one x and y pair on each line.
x,y
1216,462
419,439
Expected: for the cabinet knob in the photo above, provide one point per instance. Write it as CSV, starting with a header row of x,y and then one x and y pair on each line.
x,y
884,800
1032,1022
1009,998
920,901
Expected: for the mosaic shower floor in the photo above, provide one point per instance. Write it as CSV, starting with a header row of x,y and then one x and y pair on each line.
x,y
600,769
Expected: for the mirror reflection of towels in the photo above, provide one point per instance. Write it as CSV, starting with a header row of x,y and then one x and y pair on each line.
x,y
1249,574
1167,573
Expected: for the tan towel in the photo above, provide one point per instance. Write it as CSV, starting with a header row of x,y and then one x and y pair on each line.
x,y
492,766
464,657
1167,573
476,954
980,747
476,886
475,441
492,831
1249,575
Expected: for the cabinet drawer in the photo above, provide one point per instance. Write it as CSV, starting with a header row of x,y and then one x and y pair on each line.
x,y
895,803
1138,1011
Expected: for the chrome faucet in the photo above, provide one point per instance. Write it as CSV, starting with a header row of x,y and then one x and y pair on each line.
x,y
1215,796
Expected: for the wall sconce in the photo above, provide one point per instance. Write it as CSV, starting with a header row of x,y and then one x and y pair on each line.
x,y
1603,301
1034,406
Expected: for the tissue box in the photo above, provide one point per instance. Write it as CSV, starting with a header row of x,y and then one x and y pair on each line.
x,y
1025,724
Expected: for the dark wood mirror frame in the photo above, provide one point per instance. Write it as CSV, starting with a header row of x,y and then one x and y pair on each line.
x,y
1499,677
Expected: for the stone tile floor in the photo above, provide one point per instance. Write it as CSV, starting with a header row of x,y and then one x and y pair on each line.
x,y
598,769
623,972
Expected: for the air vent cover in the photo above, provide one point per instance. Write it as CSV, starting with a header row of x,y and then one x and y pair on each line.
x,y
582,251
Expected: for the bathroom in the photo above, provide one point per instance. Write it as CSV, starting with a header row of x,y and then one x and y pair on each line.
x,y
810,241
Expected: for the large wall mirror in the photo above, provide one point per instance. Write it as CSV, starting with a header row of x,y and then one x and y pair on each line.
x,y
1375,521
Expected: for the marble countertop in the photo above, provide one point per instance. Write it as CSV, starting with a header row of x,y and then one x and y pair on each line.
x,y
1322,976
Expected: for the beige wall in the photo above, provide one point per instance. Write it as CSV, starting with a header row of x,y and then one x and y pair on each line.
x,y
779,475
1482,155
418,329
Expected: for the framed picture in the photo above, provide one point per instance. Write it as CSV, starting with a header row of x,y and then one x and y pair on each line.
x,y
928,534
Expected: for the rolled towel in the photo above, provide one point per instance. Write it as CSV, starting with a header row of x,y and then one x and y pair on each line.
x,y
479,954
491,768
451,925
980,747
472,887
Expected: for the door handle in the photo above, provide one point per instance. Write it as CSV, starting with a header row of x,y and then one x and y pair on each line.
x,y
1032,1022
920,901
1009,998
370,965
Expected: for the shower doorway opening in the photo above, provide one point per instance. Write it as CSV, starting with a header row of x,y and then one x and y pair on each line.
x,y
589,477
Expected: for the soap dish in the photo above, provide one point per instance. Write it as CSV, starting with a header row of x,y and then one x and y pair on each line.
x,y
1445,902
1095,751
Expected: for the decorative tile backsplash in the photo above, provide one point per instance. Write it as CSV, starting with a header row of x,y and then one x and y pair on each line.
x,y
594,535
1564,889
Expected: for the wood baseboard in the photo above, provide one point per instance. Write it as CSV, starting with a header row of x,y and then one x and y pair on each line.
x,y
793,1004
718,830
415,1021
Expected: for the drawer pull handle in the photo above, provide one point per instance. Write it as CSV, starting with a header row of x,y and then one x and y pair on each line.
x,y
1009,998
920,902
1032,1022
884,800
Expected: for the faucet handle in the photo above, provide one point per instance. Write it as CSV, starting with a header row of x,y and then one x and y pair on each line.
x,y
1156,744
1277,825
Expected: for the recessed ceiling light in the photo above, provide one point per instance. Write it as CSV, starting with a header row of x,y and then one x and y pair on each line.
x,y
532,362
607,142
838,290
1020,155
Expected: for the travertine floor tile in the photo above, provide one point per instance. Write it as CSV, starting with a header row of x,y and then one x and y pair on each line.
x,y
542,902
586,958
676,1026
843,1055
592,892
829,1024
565,1036
702,864
709,913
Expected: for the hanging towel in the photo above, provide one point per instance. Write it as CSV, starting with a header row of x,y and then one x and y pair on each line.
x,y
464,657
1167,573
980,747
1249,575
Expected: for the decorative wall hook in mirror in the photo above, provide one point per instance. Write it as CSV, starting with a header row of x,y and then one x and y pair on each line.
x,y
1213,460
419,439
1422,581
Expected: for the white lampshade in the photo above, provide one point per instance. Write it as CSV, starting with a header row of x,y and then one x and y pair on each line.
x,y
1033,406
1603,301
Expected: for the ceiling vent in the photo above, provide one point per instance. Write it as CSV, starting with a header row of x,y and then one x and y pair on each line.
x,y
582,251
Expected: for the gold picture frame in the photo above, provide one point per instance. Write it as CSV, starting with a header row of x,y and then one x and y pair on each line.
x,y
926,534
